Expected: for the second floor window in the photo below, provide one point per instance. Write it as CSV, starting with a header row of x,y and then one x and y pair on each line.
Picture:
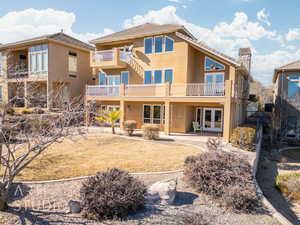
x,y
38,59
125,77
293,86
212,65
158,44
72,64
148,45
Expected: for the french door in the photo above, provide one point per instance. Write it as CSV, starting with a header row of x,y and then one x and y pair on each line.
x,y
214,84
212,119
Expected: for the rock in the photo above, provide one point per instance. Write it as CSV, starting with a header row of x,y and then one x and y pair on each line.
x,y
74,206
163,191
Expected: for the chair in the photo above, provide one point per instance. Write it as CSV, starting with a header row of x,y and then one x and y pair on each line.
x,y
196,127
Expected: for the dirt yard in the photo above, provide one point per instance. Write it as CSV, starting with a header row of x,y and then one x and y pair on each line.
x,y
86,155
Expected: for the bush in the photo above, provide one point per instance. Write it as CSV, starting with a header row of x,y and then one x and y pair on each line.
x,y
130,126
38,126
38,111
244,137
289,185
10,110
26,111
111,194
195,219
217,172
150,131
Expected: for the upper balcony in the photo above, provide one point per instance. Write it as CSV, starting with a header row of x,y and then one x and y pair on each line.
x,y
216,90
110,59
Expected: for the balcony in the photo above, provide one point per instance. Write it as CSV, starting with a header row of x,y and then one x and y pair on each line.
x,y
158,90
110,59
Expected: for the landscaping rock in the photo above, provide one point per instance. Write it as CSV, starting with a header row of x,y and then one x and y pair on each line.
x,y
74,206
164,192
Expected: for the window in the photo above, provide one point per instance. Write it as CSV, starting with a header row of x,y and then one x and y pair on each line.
x,y
169,44
147,77
113,80
153,114
148,43
158,44
1,59
214,78
212,65
72,63
169,75
102,79
38,59
157,76
125,77
293,85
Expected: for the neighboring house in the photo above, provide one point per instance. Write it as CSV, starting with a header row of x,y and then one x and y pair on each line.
x,y
160,74
287,99
44,71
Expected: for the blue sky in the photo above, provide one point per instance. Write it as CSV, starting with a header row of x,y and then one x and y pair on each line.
x,y
271,28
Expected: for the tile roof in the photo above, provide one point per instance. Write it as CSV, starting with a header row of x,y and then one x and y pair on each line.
x,y
61,37
141,30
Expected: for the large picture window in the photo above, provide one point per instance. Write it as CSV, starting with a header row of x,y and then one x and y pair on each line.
x,y
38,59
212,65
293,85
153,114
158,44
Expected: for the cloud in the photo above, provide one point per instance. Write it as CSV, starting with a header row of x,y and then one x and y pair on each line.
x,y
263,16
293,34
177,1
184,6
19,25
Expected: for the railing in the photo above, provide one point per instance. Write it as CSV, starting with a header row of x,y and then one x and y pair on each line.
x,y
160,90
18,73
102,56
103,90
145,90
198,89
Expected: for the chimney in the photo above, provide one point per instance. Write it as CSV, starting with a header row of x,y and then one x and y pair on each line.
x,y
245,58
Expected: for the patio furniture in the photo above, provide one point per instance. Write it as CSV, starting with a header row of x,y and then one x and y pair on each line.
x,y
196,127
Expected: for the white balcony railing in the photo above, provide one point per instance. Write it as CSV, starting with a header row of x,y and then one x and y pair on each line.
x,y
103,56
160,90
103,90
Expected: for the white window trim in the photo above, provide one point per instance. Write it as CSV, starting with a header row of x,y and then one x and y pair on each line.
x,y
214,74
206,57
162,117
128,76
213,119
165,43
151,47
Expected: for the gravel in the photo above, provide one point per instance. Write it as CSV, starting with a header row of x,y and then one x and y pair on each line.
x,y
44,204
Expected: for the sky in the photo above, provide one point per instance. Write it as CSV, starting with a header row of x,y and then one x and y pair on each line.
x,y
270,28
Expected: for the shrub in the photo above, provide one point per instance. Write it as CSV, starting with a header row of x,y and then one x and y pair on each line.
x,y
10,110
130,126
38,111
111,194
150,131
26,111
195,219
216,172
289,185
244,137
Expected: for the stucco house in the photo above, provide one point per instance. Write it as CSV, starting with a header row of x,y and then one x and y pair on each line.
x,y
161,74
33,71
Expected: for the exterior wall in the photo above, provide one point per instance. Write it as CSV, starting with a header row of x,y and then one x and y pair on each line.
x,y
59,72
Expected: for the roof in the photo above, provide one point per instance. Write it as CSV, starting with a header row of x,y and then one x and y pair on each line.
x,y
208,49
141,31
293,66
58,37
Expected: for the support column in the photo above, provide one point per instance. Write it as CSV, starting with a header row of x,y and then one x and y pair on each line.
x,y
49,94
122,117
167,118
228,111
25,95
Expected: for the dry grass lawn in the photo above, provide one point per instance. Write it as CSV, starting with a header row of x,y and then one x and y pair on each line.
x,y
87,155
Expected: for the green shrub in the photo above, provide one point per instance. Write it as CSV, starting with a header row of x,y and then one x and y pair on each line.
x,y
111,194
225,176
244,137
289,185
130,126
150,131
